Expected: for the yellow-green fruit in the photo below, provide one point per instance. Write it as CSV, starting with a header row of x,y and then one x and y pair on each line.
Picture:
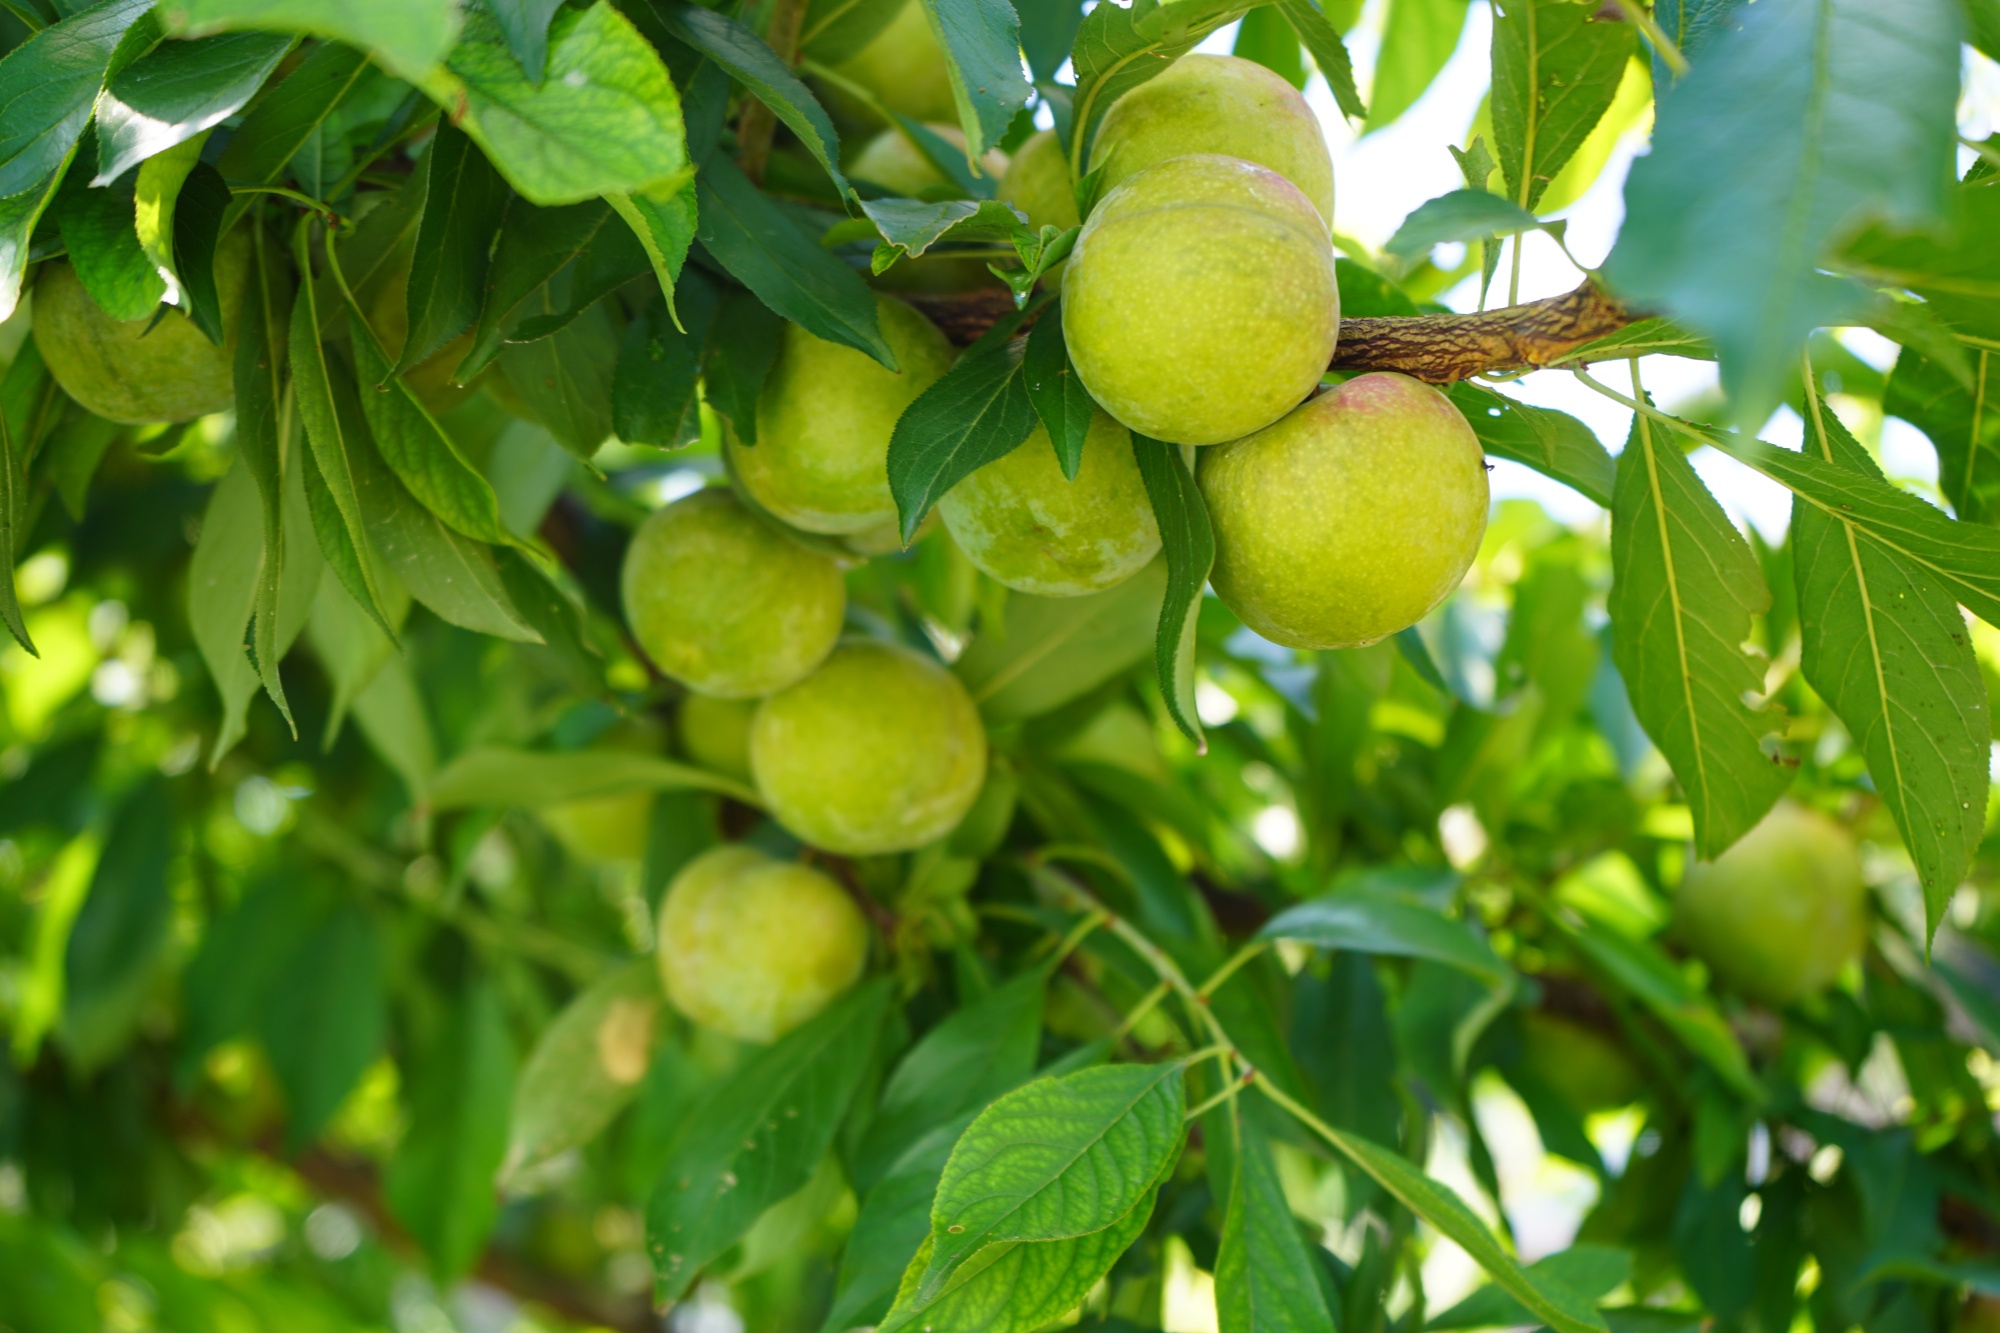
x,y
601,828
724,602
1349,519
904,68
133,370
1200,302
880,750
821,461
892,161
1217,104
1025,524
753,947
715,733
1587,1068
1779,914
1038,182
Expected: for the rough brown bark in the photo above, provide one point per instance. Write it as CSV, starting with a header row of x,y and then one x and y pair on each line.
x,y
1438,349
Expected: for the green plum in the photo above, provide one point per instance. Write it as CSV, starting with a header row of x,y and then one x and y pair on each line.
x,y
1351,518
715,733
135,370
602,828
1778,915
1217,104
1038,182
903,68
725,602
1587,1068
1024,523
1200,302
894,162
880,750
821,460
752,947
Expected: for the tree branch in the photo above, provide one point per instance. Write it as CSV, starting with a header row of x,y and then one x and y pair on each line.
x,y
1438,349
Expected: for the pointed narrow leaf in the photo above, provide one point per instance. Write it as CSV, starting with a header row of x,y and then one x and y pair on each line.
x,y
462,196
178,90
1189,544
122,928
12,484
18,216
1553,443
665,226
1329,52
1264,1281
1556,68
585,1068
1377,923
291,113
535,243
50,84
407,36
259,375
525,23
977,412
982,45
1063,404
1963,423
491,775
323,1025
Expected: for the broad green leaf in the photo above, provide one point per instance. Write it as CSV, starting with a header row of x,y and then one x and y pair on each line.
x,y
653,387
605,117
535,243
1266,39
1055,649
462,196
156,202
1952,267
1807,121
1322,38
1119,47
390,712
259,375
981,40
1553,443
833,30
120,932
909,227
742,348
1375,922
1063,404
1264,1280
407,36
18,216
291,113
1556,67
48,85
177,91
528,778
1189,545
1057,1159
752,63
1015,1287
1883,642
73,451
1963,423
764,249
1591,1271
554,615
1462,215
350,644
972,1056
100,231
757,1137
979,411
1418,38
893,1223
525,23
566,378
664,225
1685,586
440,1181
586,1066
324,1019
614,257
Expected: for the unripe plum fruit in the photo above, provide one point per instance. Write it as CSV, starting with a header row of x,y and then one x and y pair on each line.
x,y
1778,915
904,68
726,603
1351,518
1200,303
1024,523
880,750
821,460
1217,104
753,947
602,828
1587,1068
715,733
134,370
892,161
1038,182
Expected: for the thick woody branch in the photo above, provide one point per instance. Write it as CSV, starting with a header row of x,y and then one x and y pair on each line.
x,y
1438,349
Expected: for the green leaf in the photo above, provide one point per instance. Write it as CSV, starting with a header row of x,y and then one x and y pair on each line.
x,y
391,715
1119,47
553,615
121,930
201,208
525,23
1884,644
100,231
13,484
752,63
440,1182
156,203
833,30
177,91
1063,404
323,1024
742,348
535,244
1267,39
1684,588
977,412
1462,215
973,1056
894,1222
1647,337
1329,52
653,387
1417,39
1377,923
605,118
1591,1271
351,646
291,113
1057,1159
764,250
1189,545
489,775
1015,1287
757,1137
909,227
982,45
259,375
1758,167
407,36
244,955
1963,423
1264,1280
1055,649
1553,443
51,82
462,196
18,216
1556,67
585,1068
1953,268
665,227
566,379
